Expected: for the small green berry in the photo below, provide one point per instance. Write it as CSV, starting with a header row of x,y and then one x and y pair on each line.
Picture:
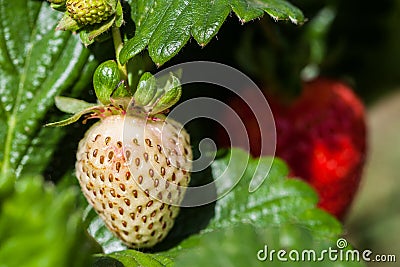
x,y
88,12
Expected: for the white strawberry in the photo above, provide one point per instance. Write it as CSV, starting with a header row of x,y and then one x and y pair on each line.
x,y
134,164
134,172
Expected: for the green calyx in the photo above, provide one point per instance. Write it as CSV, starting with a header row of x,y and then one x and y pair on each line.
x,y
58,4
107,83
90,17
152,96
80,108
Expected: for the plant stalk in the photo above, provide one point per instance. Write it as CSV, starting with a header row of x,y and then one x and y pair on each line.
x,y
118,44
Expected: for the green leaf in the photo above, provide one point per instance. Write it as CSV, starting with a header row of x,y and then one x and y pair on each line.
x,y
38,155
227,247
37,64
165,26
278,200
40,226
99,231
247,245
133,258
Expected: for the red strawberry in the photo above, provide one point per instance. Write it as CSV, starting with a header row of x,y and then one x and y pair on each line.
x,y
322,137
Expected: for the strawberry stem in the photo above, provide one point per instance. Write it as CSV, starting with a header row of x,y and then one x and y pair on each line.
x,y
118,44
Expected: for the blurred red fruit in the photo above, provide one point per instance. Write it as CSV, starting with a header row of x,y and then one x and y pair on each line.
x,y
322,137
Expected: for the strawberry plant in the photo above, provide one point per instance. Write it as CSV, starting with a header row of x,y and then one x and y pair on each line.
x,y
117,182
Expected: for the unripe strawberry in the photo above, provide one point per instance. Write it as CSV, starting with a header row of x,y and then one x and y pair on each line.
x,y
134,172
88,12
133,165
